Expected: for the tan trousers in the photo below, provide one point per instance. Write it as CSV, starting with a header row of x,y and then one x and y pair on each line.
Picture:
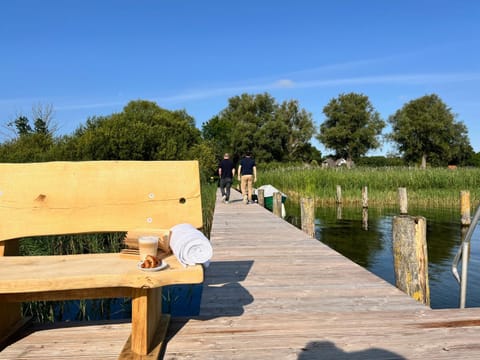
x,y
246,185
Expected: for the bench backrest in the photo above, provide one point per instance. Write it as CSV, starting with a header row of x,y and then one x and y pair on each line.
x,y
56,198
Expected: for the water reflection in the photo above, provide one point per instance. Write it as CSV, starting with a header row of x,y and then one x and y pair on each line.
x,y
366,238
365,219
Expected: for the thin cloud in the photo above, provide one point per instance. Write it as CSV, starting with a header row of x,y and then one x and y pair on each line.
x,y
284,83
261,85
342,66
406,79
90,106
199,94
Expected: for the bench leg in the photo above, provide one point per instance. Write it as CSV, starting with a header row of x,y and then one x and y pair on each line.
x,y
149,326
10,313
10,321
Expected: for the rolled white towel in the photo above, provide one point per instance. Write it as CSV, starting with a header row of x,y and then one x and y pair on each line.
x,y
189,245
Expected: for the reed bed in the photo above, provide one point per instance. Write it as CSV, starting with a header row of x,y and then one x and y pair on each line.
x,y
209,191
430,187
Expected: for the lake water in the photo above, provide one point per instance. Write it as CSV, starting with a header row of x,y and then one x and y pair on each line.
x,y
177,300
370,245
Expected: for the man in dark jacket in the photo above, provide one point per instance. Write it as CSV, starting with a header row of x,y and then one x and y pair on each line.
x,y
226,171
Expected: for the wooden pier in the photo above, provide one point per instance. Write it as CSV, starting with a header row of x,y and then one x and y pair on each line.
x,y
272,292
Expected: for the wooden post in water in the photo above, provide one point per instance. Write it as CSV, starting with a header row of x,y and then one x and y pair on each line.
x,y
365,218
307,207
339,212
402,199
465,207
261,197
339,194
466,221
277,203
410,255
365,208
365,197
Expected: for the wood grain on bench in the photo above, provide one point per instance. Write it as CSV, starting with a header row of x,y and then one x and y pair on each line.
x,y
58,198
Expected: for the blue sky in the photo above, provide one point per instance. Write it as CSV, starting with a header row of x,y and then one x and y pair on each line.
x,y
88,58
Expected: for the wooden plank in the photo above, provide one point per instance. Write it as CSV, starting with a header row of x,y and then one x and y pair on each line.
x,y
100,195
272,292
102,340
33,274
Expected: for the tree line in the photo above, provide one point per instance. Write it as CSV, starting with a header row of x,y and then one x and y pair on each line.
x,y
423,130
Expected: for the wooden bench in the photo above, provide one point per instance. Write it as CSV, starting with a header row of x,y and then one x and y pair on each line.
x,y
56,198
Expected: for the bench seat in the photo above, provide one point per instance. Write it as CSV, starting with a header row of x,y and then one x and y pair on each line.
x,y
24,275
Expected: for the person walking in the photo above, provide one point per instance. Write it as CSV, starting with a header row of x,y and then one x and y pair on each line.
x,y
226,171
247,175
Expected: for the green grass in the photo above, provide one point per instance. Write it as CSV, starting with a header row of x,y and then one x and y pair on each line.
x,y
209,191
430,187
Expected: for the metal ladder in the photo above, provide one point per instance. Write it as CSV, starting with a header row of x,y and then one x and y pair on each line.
x,y
463,253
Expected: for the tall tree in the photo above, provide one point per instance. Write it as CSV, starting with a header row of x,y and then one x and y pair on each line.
x,y
40,126
43,115
300,130
352,126
217,131
29,143
425,128
43,122
142,131
257,123
22,125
